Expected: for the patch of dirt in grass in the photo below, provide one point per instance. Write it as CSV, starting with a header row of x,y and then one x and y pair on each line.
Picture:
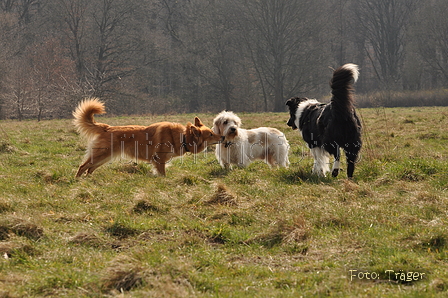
x,y
332,220
439,285
193,180
50,178
435,242
15,247
145,206
4,232
297,232
350,186
284,233
76,217
192,237
5,147
87,239
20,227
222,196
121,231
123,274
5,206
427,197
134,168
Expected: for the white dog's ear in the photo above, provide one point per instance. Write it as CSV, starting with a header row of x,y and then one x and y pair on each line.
x,y
216,129
238,122
198,122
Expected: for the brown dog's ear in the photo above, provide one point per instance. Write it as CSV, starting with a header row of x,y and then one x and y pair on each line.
x,y
197,122
195,131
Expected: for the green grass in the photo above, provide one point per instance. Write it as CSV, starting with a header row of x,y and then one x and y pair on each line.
x,y
206,232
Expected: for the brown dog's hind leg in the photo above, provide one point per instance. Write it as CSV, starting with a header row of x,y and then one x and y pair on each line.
x,y
160,167
93,161
82,168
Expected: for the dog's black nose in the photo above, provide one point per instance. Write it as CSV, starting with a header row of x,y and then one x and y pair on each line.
x,y
232,129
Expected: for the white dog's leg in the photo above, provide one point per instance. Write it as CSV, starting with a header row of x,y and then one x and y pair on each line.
x,y
244,157
223,156
282,152
321,161
282,157
266,148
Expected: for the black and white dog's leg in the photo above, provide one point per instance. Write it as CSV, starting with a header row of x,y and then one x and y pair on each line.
x,y
333,149
337,163
336,167
351,152
321,161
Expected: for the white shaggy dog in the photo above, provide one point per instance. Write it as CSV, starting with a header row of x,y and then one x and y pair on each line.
x,y
240,146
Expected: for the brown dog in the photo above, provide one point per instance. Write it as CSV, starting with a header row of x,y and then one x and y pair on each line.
x,y
157,143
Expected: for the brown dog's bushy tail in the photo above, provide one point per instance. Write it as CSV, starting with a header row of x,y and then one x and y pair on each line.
x,y
84,122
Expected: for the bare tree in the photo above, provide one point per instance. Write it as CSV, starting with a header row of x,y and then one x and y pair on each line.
x,y
283,40
112,49
213,46
53,78
384,24
18,90
19,25
102,40
167,56
71,19
431,37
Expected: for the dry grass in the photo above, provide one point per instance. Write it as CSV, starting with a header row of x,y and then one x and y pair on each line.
x,y
222,196
293,236
403,99
203,231
20,227
123,274
88,239
14,247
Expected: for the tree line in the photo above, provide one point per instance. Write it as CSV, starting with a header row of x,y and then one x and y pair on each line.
x,y
171,56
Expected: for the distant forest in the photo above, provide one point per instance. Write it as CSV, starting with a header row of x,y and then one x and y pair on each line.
x,y
176,56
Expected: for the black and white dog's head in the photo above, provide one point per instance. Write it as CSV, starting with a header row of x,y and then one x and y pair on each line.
x,y
294,111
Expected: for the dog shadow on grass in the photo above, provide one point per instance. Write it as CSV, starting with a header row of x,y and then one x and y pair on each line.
x,y
285,175
300,175
219,172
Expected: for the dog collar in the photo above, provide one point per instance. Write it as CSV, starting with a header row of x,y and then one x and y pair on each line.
x,y
227,144
184,143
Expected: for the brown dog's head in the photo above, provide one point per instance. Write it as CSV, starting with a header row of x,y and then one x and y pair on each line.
x,y
199,136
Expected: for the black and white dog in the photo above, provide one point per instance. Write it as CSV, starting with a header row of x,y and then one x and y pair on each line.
x,y
328,127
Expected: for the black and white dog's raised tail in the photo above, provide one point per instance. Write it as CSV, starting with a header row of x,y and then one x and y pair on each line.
x,y
328,127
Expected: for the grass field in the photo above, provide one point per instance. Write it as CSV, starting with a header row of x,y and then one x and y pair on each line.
x,y
205,232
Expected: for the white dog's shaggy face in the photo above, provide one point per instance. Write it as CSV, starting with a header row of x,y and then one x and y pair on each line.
x,y
226,124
